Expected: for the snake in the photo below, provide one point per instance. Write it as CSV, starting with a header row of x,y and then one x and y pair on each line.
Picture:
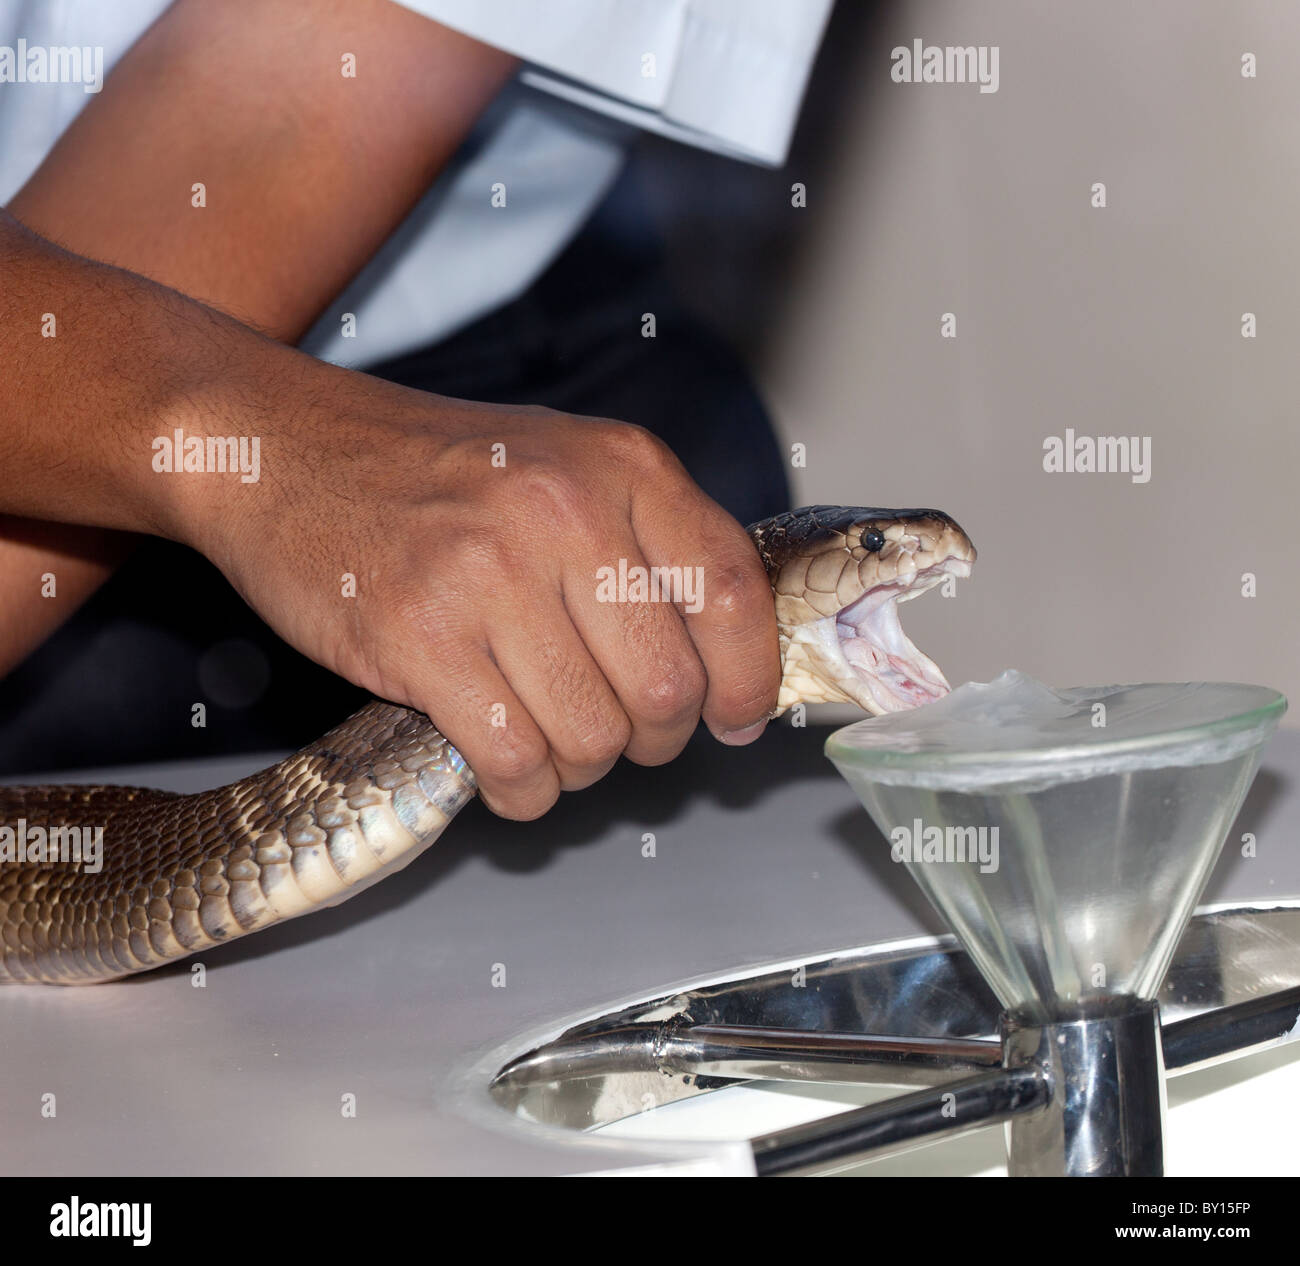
x,y
178,874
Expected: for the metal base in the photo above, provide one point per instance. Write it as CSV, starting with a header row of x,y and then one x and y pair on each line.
x,y
1104,1114
1083,1095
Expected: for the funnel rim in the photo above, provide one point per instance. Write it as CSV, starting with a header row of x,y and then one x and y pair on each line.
x,y
1057,761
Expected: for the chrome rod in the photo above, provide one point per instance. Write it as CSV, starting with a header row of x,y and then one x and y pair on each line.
x,y
1231,1032
754,1052
760,1052
851,1137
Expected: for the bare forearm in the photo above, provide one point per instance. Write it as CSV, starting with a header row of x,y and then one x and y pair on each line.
x,y
100,361
47,570
96,357
304,171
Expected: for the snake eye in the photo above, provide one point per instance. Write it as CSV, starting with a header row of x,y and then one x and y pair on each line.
x,y
872,541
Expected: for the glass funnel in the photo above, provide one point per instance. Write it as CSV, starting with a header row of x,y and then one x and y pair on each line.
x,y
1065,835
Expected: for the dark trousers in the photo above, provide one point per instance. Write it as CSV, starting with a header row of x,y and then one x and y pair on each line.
x,y
119,681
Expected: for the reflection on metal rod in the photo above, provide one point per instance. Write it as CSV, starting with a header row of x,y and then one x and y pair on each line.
x,y
1231,1032
750,1052
849,1137
753,1051
627,1049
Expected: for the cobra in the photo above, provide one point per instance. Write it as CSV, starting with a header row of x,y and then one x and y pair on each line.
x,y
183,873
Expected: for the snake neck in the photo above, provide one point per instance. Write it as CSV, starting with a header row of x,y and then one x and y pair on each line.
x,y
180,874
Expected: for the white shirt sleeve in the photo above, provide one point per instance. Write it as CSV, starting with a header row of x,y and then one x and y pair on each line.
x,y
723,74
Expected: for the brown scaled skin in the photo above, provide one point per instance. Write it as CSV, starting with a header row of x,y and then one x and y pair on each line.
x,y
819,564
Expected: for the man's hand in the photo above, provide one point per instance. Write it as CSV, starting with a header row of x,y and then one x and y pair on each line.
x,y
475,595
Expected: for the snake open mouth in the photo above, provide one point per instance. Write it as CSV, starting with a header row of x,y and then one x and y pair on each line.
x,y
880,667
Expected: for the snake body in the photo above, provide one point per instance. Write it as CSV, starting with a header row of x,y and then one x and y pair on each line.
x,y
182,873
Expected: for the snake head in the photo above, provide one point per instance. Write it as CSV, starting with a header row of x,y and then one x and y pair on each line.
x,y
838,574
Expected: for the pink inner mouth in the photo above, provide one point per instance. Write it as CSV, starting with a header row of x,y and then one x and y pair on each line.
x,y
894,673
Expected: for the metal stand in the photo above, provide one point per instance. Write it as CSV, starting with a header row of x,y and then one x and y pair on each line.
x,y
1104,1113
1079,1095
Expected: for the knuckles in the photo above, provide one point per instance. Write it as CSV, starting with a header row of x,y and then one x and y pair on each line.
x,y
514,758
551,493
735,593
601,742
670,696
598,751
636,445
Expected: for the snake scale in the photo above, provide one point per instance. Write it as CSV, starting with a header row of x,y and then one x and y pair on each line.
x,y
182,873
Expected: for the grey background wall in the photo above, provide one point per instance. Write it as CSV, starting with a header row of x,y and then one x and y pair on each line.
x,y
932,198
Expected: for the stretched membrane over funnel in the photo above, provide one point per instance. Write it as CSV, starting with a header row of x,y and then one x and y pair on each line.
x,y
1065,835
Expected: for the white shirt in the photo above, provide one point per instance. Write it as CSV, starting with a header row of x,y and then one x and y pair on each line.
x,y
726,75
